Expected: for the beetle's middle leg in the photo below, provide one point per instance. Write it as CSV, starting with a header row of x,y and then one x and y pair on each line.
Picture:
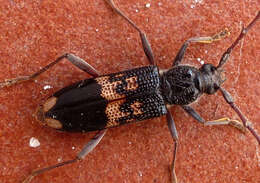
x,y
195,115
145,43
208,39
78,62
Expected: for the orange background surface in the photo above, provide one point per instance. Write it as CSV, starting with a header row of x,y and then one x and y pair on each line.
x,y
34,33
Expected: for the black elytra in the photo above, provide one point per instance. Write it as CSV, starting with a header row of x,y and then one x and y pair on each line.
x,y
89,105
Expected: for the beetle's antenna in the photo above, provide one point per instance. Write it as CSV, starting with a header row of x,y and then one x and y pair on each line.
x,y
243,32
227,95
245,121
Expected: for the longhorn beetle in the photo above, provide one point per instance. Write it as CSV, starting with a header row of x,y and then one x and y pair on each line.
x,y
111,100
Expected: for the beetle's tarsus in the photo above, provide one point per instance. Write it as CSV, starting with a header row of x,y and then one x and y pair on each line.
x,y
173,174
227,121
14,81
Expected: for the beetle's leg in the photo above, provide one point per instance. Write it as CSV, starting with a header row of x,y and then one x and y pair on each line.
x,y
78,62
146,45
222,121
174,135
243,32
245,121
86,149
177,60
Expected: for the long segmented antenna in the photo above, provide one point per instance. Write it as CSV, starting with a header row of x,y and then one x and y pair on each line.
x,y
245,121
226,95
225,55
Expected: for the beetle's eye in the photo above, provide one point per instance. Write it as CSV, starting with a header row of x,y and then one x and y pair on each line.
x,y
216,87
212,69
189,74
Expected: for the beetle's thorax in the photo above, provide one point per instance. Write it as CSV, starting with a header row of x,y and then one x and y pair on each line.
x,y
182,85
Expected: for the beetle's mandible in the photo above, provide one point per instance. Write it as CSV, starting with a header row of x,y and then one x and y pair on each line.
x,y
106,101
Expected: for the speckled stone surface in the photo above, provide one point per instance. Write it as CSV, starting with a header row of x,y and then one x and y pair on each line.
x,y
34,33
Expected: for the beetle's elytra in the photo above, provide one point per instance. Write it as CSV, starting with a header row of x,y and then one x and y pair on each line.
x,y
106,101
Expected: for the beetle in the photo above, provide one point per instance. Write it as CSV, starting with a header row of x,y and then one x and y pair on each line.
x,y
118,94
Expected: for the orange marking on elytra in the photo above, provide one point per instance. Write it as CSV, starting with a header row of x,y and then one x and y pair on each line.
x,y
49,104
136,106
113,113
53,123
108,90
131,83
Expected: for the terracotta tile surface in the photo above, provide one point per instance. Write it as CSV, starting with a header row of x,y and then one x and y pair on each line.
x,y
33,33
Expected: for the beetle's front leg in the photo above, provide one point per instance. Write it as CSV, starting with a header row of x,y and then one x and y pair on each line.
x,y
174,134
208,39
78,62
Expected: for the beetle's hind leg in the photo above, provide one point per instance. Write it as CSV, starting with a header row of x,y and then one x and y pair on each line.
x,y
81,155
78,62
145,43
174,134
208,39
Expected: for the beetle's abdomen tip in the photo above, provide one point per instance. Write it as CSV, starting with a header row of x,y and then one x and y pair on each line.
x,y
41,114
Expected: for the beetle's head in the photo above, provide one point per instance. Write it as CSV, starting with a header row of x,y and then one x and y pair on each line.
x,y
212,78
